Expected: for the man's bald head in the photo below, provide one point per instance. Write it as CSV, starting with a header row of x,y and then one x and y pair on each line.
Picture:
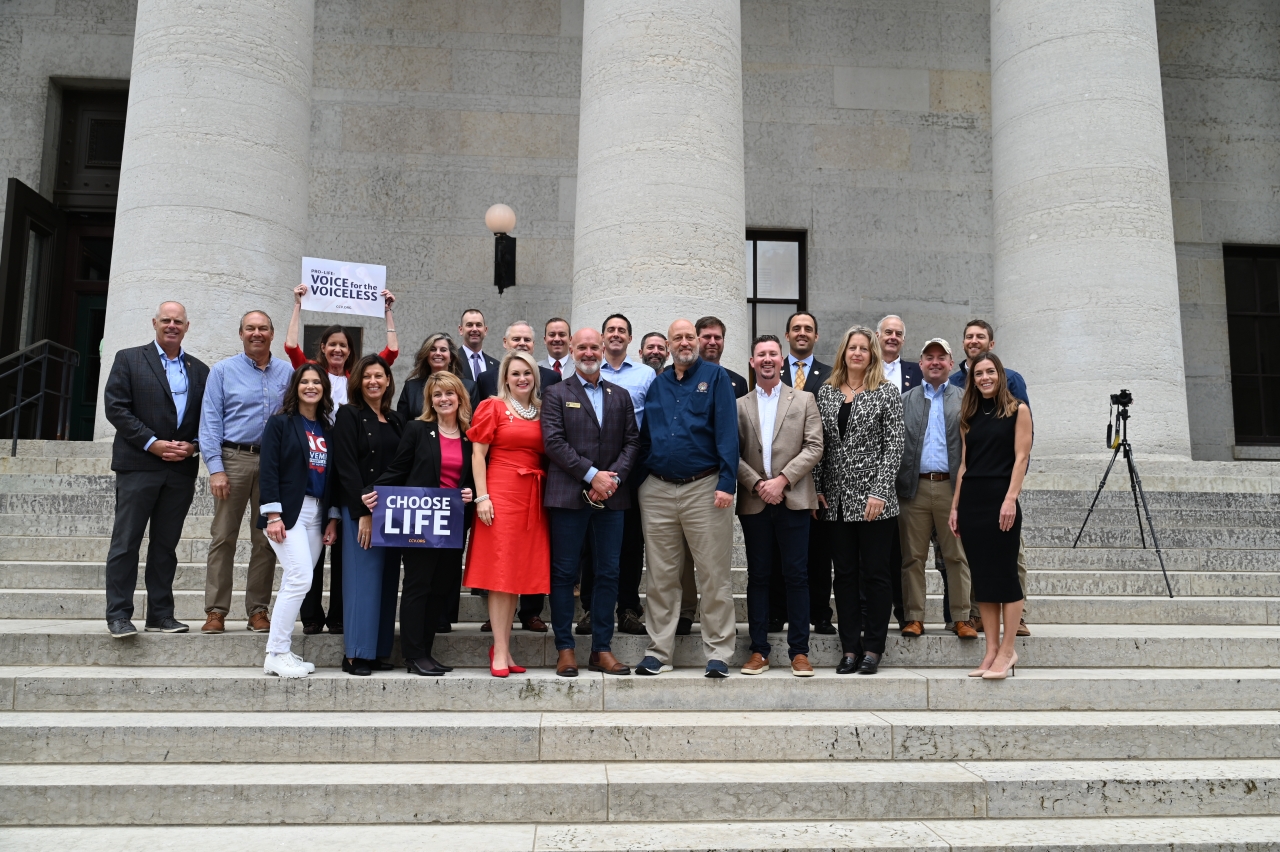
x,y
587,348
682,340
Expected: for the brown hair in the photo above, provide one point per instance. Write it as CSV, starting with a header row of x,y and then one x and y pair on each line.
x,y
355,391
324,338
1006,403
324,408
447,382
874,375
982,324
421,367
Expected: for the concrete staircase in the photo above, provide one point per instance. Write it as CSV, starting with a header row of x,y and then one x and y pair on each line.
x,y
1135,722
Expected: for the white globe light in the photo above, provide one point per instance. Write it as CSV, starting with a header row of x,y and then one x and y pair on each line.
x,y
500,219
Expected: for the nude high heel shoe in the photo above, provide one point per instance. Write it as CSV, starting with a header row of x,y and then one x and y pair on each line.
x,y
992,674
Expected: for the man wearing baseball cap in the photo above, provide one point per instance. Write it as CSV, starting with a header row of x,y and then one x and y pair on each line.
x,y
930,463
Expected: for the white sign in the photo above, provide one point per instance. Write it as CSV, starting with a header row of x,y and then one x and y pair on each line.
x,y
338,287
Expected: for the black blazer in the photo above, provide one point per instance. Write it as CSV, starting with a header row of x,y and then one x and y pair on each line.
x,y
575,442
488,384
139,404
740,386
410,403
464,355
354,455
417,462
284,466
818,374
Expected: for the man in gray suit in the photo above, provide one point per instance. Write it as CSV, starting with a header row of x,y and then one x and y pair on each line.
x,y
930,463
152,398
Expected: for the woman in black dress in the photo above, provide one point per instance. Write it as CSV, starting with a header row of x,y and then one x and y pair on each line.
x,y
996,430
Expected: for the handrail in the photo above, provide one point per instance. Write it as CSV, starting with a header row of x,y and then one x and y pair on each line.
x,y
42,352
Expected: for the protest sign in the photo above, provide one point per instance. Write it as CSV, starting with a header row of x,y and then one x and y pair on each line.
x,y
418,517
338,287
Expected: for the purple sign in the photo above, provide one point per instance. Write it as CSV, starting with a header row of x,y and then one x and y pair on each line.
x,y
418,517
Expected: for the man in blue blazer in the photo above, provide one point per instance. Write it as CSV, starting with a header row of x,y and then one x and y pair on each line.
x,y
590,434
152,398
893,333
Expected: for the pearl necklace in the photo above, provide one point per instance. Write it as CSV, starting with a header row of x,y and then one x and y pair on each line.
x,y
523,413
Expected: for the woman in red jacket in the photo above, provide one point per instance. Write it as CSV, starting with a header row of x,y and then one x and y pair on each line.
x,y
334,351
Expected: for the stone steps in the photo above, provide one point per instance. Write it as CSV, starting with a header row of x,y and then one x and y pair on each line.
x,y
632,736
261,792
230,690
85,642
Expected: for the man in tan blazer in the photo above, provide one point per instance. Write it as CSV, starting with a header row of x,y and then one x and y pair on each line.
x,y
779,442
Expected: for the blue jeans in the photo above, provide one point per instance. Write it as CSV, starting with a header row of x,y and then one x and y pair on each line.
x,y
370,581
783,532
569,529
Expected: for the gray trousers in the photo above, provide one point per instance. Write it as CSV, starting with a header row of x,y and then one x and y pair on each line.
x,y
159,499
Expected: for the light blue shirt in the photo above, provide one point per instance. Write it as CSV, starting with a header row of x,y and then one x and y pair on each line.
x,y
596,395
633,376
239,397
808,366
933,456
175,371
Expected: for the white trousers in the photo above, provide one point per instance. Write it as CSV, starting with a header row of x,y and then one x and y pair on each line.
x,y
297,554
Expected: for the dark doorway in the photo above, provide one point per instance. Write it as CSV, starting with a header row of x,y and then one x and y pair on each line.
x,y
1253,333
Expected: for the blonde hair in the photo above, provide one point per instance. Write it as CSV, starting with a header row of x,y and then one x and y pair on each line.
x,y
504,393
445,380
874,375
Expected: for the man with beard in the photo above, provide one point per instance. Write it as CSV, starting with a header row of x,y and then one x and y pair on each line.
x,y
653,351
711,346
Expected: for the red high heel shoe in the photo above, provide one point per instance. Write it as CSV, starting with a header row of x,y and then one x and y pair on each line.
x,y
492,670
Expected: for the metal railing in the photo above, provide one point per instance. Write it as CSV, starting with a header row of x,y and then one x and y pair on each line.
x,y
21,364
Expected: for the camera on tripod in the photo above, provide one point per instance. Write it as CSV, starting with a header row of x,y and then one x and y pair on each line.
x,y
1122,399
1121,402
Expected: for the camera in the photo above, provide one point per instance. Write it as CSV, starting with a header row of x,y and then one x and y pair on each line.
x,y
1122,399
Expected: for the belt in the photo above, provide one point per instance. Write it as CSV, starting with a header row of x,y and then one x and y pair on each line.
x,y
702,474
936,477
244,448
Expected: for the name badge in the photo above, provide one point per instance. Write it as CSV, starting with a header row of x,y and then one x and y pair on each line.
x,y
573,405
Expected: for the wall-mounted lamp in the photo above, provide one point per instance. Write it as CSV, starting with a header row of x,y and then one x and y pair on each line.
x,y
501,219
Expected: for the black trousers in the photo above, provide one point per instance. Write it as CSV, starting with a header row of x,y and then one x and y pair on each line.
x,y
895,574
425,596
631,563
860,554
819,574
159,498
312,611
530,605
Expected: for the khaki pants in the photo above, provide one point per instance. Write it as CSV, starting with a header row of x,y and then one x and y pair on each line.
x,y
242,472
917,519
677,517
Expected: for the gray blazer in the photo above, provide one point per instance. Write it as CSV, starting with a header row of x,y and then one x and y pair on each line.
x,y
915,415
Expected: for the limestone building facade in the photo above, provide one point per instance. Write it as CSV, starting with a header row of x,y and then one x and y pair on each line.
x,y
1078,171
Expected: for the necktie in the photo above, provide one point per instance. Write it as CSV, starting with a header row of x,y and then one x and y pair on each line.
x,y
799,379
559,372
477,366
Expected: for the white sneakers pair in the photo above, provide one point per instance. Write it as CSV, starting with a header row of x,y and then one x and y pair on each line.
x,y
287,665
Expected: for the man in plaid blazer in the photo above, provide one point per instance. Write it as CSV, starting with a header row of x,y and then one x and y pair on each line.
x,y
152,398
589,430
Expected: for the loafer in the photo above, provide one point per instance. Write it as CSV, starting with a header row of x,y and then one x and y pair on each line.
x,y
913,629
535,624
214,622
651,666
311,629
357,667
121,628
423,668
259,622
567,664
629,622
758,664
848,664
168,624
605,661
684,626
800,666
716,670
583,627
825,628
870,663
1023,630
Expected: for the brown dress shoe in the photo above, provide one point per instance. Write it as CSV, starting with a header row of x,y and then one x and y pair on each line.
x,y
756,665
536,624
214,622
605,661
800,666
567,664
976,623
629,622
259,623
913,628
1023,630
487,627
965,630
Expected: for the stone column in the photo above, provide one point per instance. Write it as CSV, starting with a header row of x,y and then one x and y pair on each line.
x,y
213,186
660,219
1086,290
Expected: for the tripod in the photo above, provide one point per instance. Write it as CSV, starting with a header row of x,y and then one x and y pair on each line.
x,y
1121,443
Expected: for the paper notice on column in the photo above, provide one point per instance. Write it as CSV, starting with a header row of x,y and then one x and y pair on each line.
x,y
340,287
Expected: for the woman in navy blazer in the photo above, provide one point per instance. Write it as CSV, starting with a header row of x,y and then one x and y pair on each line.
x,y
434,453
295,487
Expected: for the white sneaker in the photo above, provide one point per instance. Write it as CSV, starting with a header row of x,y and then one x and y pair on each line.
x,y
283,665
310,667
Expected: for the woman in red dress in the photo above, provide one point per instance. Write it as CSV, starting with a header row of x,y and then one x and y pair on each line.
x,y
510,548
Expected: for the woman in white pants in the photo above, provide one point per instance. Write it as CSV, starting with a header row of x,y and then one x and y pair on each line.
x,y
295,489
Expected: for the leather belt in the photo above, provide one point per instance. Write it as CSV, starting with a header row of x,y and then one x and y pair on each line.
x,y
936,477
702,474
244,448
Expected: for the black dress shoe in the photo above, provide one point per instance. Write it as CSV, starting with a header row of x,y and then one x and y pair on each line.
x,y
312,629
445,628
826,628
434,663
357,667
423,667
380,665
870,664
336,629
684,626
848,664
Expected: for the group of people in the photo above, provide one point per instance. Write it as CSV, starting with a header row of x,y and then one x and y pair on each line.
x,y
576,471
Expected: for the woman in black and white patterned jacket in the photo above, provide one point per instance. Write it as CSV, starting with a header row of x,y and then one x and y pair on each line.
x,y
863,435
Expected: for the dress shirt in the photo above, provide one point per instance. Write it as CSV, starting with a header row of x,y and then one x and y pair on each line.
x,y
596,395
239,398
1017,385
692,425
565,365
633,376
933,450
476,360
808,366
767,405
175,371
893,371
